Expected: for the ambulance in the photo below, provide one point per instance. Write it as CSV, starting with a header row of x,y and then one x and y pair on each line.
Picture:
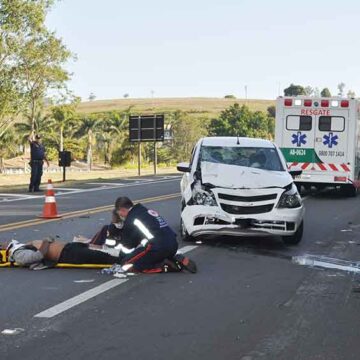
x,y
320,137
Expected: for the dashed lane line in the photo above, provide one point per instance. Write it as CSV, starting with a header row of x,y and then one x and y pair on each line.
x,y
89,294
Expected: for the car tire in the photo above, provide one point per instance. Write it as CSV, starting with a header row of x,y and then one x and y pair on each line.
x,y
349,190
184,234
296,238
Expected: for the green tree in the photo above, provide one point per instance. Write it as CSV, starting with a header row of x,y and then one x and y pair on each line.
x,y
64,123
240,121
40,124
229,97
19,20
89,126
31,58
294,90
341,88
41,67
271,111
325,92
309,90
187,130
8,147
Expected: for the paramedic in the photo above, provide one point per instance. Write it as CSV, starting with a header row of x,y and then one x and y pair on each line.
x,y
148,241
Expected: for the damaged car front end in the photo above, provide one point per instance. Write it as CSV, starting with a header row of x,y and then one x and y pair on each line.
x,y
235,200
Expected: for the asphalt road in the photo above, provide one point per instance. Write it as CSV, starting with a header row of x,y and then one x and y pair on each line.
x,y
248,300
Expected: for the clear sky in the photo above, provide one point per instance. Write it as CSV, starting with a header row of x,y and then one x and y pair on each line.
x,y
208,47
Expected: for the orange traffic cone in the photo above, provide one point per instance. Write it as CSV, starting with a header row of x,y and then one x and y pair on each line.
x,y
50,209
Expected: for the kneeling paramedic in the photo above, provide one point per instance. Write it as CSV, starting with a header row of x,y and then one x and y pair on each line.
x,y
148,243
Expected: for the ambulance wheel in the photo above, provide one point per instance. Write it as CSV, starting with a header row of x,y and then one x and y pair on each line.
x,y
296,238
349,190
184,234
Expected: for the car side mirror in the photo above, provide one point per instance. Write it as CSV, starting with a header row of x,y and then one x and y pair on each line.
x,y
296,171
183,167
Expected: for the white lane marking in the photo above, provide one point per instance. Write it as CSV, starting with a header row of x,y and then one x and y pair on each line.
x,y
187,249
28,197
76,300
106,183
89,294
17,195
66,189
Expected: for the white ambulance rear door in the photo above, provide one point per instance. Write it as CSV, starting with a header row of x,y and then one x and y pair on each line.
x,y
298,137
331,140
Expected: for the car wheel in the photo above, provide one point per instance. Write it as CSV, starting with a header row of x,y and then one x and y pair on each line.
x,y
296,238
184,234
349,190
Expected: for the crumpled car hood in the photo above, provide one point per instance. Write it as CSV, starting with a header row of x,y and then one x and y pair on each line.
x,y
240,177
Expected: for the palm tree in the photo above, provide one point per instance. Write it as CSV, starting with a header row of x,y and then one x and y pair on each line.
x,y
40,124
64,122
89,126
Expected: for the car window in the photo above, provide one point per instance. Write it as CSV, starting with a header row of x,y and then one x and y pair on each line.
x,y
255,157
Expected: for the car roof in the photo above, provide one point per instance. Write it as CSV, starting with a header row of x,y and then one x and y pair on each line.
x,y
233,141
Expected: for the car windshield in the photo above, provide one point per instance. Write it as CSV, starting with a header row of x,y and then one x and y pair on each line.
x,y
254,157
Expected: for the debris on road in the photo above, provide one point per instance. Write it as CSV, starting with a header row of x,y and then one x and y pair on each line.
x,y
15,331
327,263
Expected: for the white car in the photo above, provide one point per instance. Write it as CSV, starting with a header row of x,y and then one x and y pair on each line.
x,y
239,187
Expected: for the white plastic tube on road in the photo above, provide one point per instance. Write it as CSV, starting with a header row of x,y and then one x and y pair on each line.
x,y
327,263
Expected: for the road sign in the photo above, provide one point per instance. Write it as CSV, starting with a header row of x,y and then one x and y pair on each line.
x,y
146,128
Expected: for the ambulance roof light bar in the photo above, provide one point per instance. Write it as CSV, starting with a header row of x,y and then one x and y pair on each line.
x,y
288,102
324,103
344,103
307,103
334,103
297,102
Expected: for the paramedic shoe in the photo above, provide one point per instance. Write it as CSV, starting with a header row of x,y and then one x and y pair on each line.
x,y
186,263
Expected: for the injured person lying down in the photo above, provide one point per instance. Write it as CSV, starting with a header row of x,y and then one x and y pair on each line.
x,y
49,253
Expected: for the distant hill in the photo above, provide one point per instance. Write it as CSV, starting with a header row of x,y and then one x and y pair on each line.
x,y
202,106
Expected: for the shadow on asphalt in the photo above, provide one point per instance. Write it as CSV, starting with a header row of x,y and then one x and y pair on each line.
x,y
326,194
265,246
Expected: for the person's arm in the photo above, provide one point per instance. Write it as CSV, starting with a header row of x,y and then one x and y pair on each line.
x,y
31,137
41,245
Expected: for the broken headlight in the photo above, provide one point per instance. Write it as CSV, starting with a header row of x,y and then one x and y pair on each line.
x,y
204,198
290,199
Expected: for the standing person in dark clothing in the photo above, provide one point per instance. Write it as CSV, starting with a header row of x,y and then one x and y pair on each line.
x,y
148,242
38,156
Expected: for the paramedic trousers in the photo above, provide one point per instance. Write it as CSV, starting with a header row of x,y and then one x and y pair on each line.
x,y
149,258
36,174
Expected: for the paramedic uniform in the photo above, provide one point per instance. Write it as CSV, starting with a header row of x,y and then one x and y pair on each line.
x,y
148,240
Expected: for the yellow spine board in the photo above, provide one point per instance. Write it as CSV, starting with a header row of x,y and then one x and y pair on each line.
x,y
5,263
